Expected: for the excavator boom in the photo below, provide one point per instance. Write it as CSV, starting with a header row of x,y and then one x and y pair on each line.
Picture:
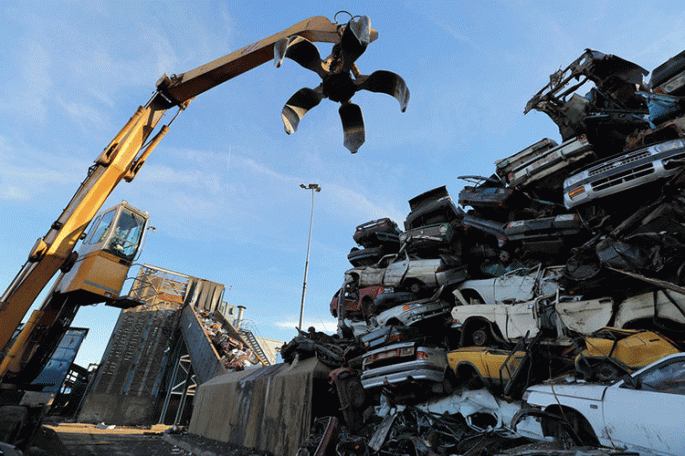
x,y
122,159
128,151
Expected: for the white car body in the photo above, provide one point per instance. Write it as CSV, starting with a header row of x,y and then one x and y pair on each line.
x,y
396,270
510,288
648,418
514,321
641,307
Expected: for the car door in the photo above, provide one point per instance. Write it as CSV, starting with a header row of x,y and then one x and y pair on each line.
x,y
650,414
373,275
395,271
520,320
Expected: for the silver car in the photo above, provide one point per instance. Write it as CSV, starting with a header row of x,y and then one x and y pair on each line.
x,y
406,362
417,274
413,312
627,171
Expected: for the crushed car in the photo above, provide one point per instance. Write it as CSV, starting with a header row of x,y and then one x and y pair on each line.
x,y
419,275
553,315
619,415
406,368
610,353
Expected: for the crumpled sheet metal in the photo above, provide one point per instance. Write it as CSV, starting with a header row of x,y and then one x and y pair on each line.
x,y
269,408
470,403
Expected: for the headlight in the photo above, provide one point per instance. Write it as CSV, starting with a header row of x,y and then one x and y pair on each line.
x,y
443,229
669,145
571,181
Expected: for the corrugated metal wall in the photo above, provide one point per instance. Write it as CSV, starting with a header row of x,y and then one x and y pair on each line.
x,y
130,383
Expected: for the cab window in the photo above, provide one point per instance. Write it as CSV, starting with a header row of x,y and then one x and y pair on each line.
x,y
126,236
103,227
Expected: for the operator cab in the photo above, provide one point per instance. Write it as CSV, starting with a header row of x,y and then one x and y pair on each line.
x,y
106,254
118,231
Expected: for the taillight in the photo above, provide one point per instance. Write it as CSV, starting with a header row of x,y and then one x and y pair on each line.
x,y
396,337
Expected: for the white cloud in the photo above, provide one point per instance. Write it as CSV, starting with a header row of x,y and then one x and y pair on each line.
x,y
327,326
11,193
85,116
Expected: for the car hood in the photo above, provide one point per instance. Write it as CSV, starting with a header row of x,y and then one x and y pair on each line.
x,y
576,389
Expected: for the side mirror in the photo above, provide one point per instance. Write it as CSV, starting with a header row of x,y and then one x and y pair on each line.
x,y
631,382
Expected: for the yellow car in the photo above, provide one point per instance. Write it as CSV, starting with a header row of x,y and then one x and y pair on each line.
x,y
478,367
611,352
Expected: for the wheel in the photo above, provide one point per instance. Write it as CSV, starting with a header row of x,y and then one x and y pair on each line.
x,y
418,289
368,308
474,383
475,333
569,428
480,337
469,378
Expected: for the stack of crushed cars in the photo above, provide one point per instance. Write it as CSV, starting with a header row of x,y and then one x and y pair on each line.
x,y
550,302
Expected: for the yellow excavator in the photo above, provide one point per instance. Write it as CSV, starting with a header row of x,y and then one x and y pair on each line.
x,y
96,272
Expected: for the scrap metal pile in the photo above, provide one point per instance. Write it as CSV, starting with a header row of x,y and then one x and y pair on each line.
x,y
234,354
568,260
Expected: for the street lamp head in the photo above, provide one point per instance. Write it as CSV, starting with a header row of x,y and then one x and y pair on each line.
x,y
311,187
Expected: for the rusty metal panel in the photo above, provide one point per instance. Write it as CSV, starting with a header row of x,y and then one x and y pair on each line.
x,y
204,295
55,371
204,357
268,408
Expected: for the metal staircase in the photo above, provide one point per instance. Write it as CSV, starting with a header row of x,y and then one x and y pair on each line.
x,y
252,341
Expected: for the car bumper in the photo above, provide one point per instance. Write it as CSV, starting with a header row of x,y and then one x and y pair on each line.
x,y
401,373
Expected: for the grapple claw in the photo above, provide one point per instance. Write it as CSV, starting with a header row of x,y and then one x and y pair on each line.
x,y
337,72
353,42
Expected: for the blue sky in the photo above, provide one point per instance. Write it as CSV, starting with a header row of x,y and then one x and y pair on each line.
x,y
222,188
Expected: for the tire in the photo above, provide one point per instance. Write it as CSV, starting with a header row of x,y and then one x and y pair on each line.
x,y
469,378
569,428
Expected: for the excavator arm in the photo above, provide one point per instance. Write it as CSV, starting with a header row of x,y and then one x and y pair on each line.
x,y
127,152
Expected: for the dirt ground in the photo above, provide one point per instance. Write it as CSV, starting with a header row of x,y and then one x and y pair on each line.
x,y
77,439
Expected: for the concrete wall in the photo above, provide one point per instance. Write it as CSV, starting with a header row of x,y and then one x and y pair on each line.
x,y
268,408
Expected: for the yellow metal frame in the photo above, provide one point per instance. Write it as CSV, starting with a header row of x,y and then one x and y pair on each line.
x,y
121,160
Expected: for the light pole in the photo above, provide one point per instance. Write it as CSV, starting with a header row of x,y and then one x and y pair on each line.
x,y
313,188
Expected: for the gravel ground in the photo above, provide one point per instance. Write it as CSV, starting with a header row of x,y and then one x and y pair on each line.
x,y
75,439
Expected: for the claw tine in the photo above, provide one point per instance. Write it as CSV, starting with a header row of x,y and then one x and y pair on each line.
x,y
353,126
353,43
279,51
386,82
298,105
301,50
361,29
